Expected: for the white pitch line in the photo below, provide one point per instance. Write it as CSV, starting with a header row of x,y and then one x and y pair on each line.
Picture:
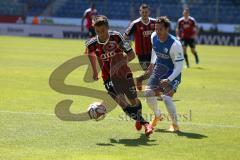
x,y
182,123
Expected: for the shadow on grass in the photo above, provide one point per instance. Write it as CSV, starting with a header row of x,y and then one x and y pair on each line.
x,y
199,68
184,134
104,144
141,141
175,100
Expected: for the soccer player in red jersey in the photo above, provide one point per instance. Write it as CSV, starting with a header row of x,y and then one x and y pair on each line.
x,y
89,15
113,54
187,32
141,29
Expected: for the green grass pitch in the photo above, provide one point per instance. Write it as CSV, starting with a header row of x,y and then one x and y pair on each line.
x,y
29,130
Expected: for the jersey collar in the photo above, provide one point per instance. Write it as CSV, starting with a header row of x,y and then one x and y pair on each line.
x,y
186,19
103,43
168,36
146,23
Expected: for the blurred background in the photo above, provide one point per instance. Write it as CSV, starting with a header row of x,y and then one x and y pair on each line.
x,y
218,20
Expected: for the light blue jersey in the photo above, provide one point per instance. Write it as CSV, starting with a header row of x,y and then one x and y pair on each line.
x,y
168,59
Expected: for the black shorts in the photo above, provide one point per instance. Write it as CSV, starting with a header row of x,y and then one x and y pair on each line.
x,y
125,86
91,32
144,60
191,42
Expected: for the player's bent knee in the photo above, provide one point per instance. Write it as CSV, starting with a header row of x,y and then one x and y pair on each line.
x,y
170,93
149,92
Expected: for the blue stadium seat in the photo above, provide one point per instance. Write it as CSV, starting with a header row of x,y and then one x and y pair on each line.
x,y
202,10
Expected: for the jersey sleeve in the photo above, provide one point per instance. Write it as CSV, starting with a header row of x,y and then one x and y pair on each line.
x,y
85,13
124,45
194,22
90,46
131,29
176,53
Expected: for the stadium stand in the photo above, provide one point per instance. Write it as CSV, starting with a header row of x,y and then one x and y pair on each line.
x,y
35,7
227,11
11,7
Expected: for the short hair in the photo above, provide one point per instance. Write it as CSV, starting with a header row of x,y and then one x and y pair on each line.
x,y
100,20
186,9
144,6
163,20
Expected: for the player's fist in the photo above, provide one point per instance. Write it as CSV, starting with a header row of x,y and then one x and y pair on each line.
x,y
165,81
167,87
139,83
95,76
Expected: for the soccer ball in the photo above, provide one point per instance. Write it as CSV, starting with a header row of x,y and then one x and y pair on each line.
x,y
97,111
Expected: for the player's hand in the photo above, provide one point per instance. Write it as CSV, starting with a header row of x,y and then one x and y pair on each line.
x,y
139,83
167,87
165,81
95,76
145,76
149,70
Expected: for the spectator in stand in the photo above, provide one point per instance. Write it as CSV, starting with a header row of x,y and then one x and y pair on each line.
x,y
19,20
35,20
89,15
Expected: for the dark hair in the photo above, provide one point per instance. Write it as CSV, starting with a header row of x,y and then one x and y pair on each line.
x,y
100,20
163,20
186,9
144,6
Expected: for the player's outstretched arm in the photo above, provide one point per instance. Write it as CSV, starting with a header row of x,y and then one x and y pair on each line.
x,y
148,72
93,61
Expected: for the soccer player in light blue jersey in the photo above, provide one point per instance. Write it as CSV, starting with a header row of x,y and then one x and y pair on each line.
x,y
164,71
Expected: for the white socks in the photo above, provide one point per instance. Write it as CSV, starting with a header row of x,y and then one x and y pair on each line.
x,y
171,108
152,103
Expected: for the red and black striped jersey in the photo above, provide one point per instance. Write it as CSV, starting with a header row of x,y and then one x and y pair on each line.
x,y
90,14
109,52
142,35
186,27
